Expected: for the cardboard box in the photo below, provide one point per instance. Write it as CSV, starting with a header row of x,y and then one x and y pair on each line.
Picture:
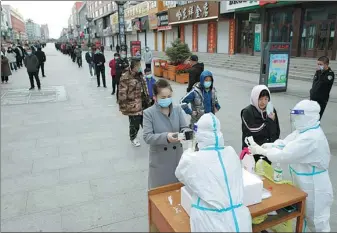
x,y
253,187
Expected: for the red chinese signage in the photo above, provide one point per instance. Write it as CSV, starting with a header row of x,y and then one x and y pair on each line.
x,y
280,47
231,36
182,32
195,38
211,37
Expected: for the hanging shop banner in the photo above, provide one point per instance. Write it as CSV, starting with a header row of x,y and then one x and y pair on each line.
x,y
211,37
136,26
257,38
198,10
231,36
128,25
153,21
163,22
182,32
144,23
234,5
114,23
195,38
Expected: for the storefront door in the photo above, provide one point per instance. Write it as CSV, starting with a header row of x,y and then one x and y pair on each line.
x,y
246,37
318,38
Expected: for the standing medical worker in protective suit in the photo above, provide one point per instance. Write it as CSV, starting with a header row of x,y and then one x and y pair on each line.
x,y
307,151
214,174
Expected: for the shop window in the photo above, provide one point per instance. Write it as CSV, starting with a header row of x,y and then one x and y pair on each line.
x,y
332,35
280,26
321,13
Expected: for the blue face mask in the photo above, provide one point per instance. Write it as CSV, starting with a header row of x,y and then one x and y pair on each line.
x,y
164,103
207,84
149,76
140,70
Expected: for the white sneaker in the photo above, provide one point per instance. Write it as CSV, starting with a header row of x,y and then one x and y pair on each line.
x,y
135,143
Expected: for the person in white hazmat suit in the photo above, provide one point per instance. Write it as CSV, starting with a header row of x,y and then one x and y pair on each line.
x,y
214,174
307,151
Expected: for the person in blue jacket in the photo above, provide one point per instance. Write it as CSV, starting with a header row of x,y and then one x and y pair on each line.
x,y
202,97
150,81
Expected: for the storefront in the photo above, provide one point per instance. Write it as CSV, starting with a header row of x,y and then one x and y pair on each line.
x,y
107,35
310,27
163,28
114,29
152,32
198,20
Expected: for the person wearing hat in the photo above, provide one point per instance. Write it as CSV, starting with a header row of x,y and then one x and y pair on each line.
x,y
194,72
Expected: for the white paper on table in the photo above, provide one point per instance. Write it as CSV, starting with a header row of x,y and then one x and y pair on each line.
x,y
266,194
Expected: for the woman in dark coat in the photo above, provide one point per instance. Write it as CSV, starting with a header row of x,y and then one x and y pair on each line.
x,y
256,122
5,70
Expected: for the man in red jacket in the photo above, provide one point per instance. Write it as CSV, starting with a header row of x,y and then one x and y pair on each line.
x,y
112,65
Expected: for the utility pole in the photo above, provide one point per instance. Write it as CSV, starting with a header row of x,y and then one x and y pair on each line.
x,y
121,24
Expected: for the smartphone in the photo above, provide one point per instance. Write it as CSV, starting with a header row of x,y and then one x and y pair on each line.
x,y
290,209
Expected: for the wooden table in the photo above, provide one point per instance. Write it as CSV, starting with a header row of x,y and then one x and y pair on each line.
x,y
164,217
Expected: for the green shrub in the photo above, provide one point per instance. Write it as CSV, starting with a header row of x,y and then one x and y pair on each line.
x,y
178,52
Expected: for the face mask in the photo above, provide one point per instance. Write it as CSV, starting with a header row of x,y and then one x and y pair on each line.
x,y
116,58
164,103
140,70
97,51
207,84
321,67
29,53
149,76
147,50
123,56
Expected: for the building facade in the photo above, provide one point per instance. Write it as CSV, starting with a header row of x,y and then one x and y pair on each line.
x,y
308,26
16,25
44,32
5,24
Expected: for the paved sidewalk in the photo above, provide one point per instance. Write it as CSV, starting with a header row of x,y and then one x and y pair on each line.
x,y
67,163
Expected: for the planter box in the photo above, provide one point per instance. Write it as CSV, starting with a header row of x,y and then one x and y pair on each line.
x,y
157,71
171,72
165,74
182,78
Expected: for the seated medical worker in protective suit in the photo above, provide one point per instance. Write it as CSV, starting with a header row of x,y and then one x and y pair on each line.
x,y
214,174
307,151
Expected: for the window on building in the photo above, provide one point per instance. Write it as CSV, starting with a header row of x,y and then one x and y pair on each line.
x,y
280,29
95,3
109,7
105,9
96,14
100,2
101,11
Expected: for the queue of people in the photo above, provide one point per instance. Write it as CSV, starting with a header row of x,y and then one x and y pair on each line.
x,y
16,56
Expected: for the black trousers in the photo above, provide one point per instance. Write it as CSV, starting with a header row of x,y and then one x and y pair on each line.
x,y
322,104
100,70
41,66
4,78
114,84
79,61
33,75
134,126
148,65
19,62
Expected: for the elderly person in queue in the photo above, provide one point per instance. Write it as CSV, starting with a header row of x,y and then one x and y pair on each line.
x,y
162,123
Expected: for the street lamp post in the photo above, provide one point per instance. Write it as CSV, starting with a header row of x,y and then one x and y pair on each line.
x,y
121,24
89,20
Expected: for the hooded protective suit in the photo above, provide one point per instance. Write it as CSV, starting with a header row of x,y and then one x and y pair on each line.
x,y
307,150
214,174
